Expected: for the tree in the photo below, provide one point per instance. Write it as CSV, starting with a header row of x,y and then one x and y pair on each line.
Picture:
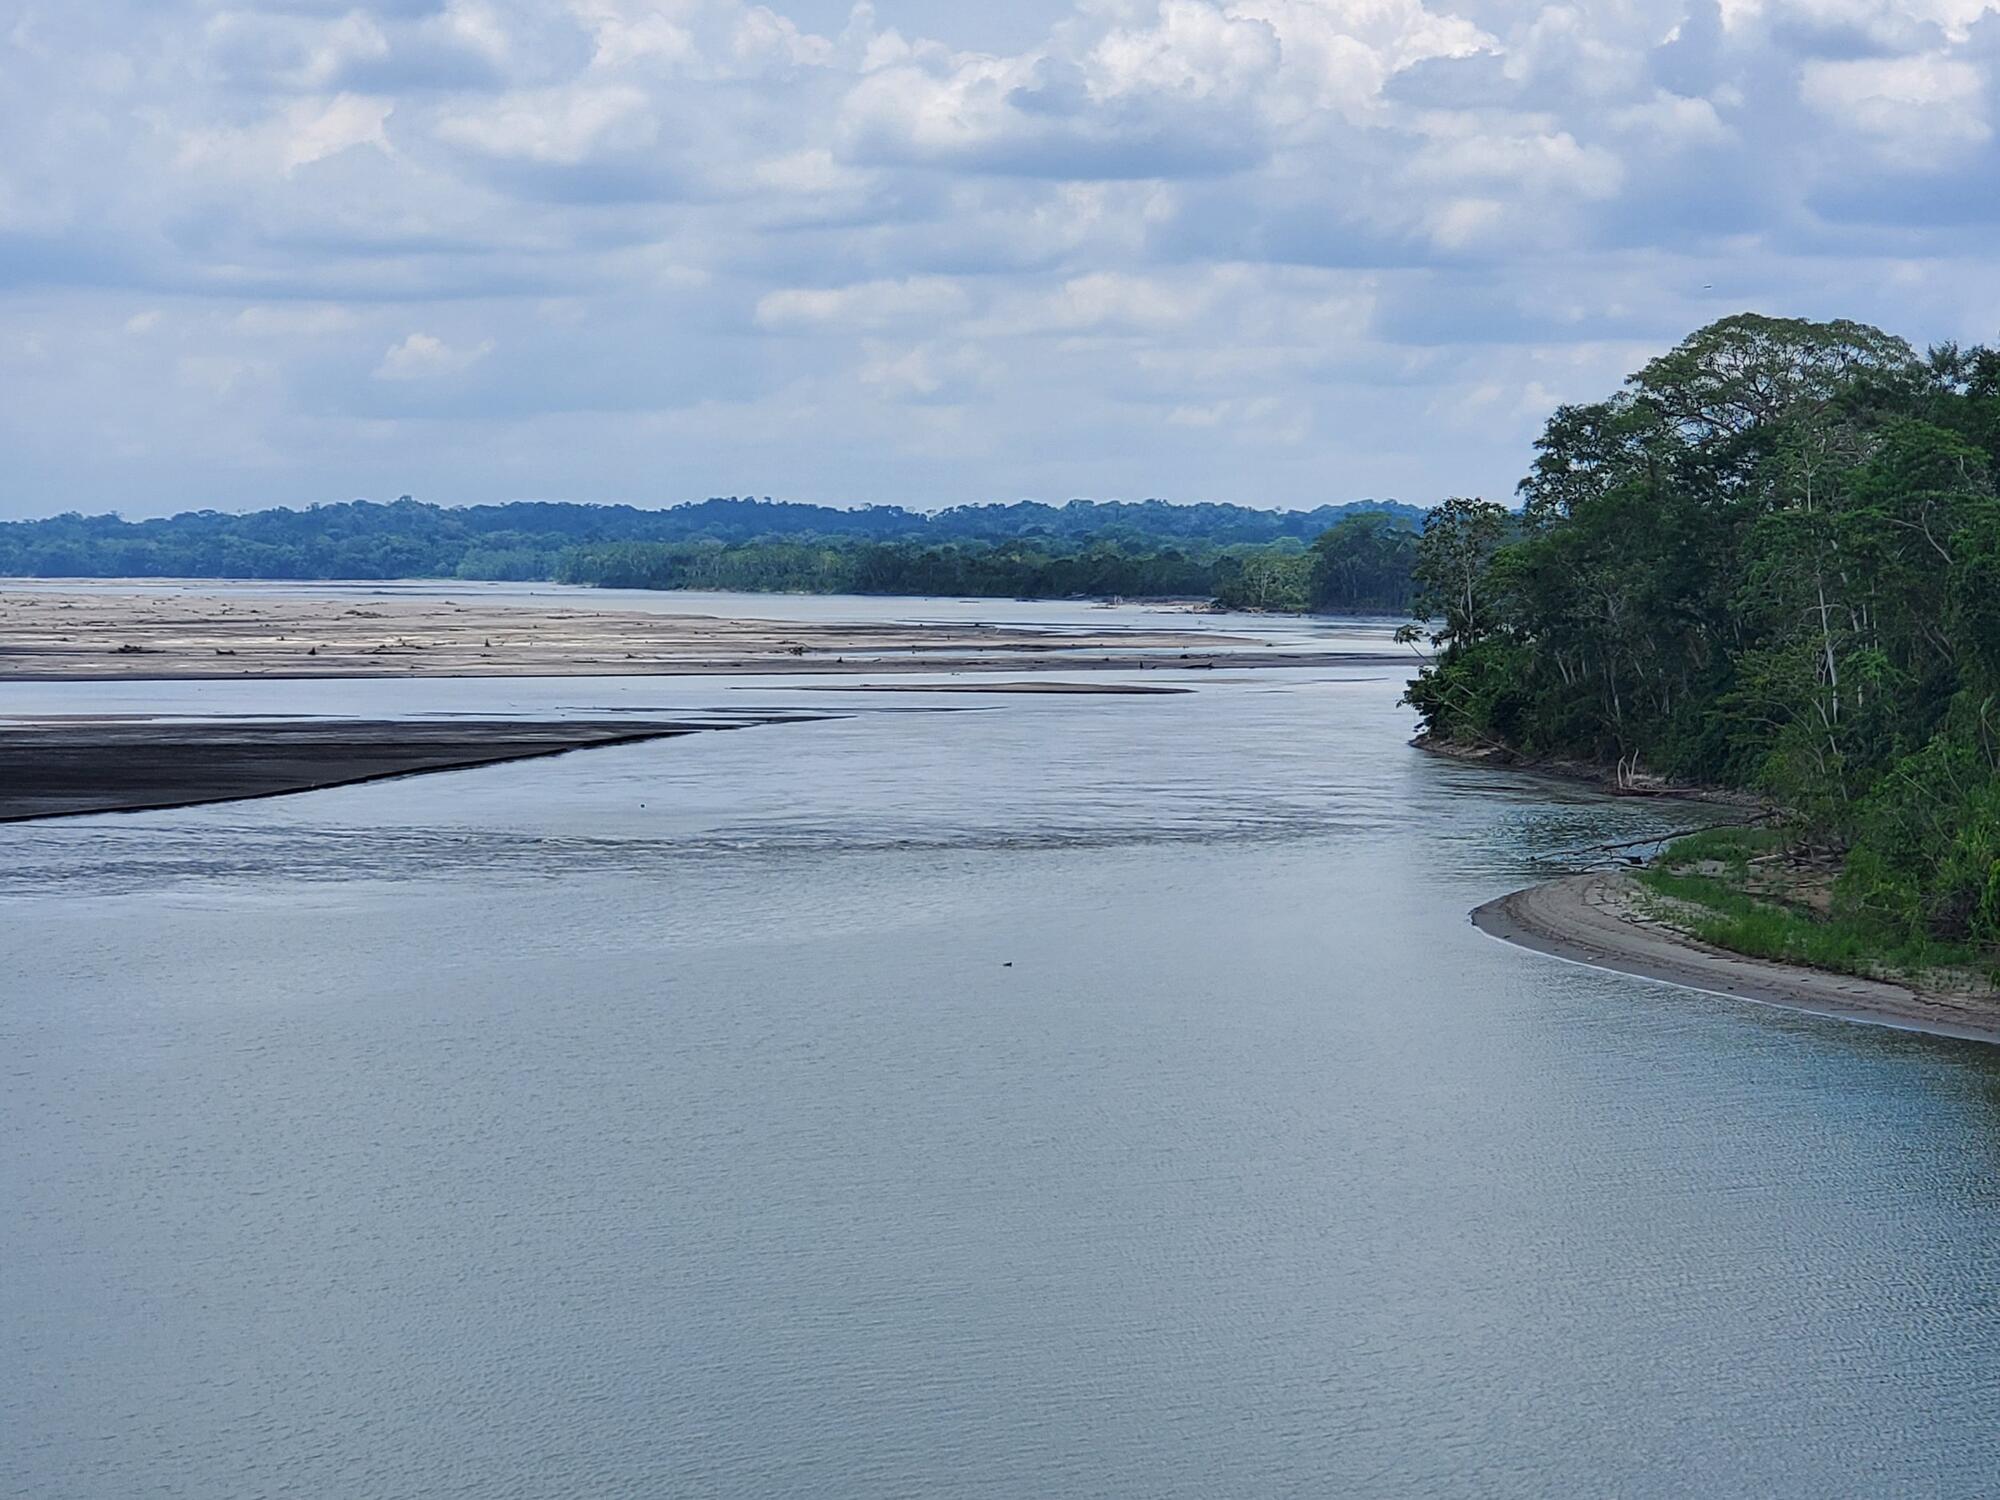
x,y
1454,586
1365,561
1771,560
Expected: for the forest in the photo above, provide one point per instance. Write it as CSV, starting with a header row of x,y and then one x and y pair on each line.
x,y
1350,558
1362,564
1771,561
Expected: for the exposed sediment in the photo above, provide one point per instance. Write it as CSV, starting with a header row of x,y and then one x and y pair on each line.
x,y
1602,920
59,767
51,635
1057,689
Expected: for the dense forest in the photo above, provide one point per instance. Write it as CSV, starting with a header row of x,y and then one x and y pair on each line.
x,y
1362,564
1771,561
1355,557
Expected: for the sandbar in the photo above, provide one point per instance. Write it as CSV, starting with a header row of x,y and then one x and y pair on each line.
x,y
1600,919
59,767
48,635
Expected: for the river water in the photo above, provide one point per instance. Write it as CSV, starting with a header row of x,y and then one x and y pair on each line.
x,y
1073,1096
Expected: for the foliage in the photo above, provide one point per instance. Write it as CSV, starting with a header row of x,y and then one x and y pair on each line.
x,y
1926,855
1358,559
1284,576
1270,578
1728,846
1365,561
1772,560
1455,581
1731,918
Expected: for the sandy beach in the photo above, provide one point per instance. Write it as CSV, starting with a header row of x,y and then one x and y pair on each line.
x,y
180,636
1599,919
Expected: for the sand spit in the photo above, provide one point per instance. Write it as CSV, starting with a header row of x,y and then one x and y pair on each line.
x,y
59,767
1094,689
1600,919
52,636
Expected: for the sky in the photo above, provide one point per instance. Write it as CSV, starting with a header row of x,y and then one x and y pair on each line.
x,y
933,252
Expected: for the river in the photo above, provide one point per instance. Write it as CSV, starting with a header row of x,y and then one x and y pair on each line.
x,y
1069,1096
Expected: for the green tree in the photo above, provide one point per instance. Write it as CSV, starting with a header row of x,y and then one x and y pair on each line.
x,y
1772,559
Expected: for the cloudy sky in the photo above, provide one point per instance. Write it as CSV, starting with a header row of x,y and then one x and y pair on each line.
x,y
1279,252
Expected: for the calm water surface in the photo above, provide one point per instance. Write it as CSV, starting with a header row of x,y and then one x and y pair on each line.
x,y
1068,1097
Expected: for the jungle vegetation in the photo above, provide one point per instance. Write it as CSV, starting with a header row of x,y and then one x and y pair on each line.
x,y
1361,564
1770,561
1355,558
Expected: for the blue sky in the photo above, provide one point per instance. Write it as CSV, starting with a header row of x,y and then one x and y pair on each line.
x,y
1279,252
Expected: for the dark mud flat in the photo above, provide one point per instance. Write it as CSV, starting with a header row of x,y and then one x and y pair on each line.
x,y
54,768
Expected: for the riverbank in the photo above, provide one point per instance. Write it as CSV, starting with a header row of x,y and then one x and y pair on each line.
x,y
60,767
199,636
1499,757
1608,921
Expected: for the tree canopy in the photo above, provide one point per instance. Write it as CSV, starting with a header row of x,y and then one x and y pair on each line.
x,y
1145,548
1771,560
1358,558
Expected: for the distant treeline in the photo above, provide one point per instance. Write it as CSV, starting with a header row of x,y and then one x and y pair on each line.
x,y
1361,564
1771,560
1254,558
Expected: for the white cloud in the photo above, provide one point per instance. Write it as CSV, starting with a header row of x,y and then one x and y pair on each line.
x,y
1912,107
873,304
764,41
1672,120
1081,256
1891,22
1338,54
1550,164
1195,51
214,374
625,33
710,39
424,356
1114,302
806,172
563,126
290,51
298,134
293,322
1248,419
923,372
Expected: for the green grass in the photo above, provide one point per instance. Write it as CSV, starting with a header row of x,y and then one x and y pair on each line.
x,y
1734,847
1729,917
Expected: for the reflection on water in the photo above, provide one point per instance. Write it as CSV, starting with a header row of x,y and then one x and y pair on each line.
x,y
1100,1096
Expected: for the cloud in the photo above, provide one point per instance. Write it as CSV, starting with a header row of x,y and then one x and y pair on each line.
x,y
557,126
1062,118
1115,302
1060,246
1912,108
927,372
297,135
871,305
424,356
293,322
261,50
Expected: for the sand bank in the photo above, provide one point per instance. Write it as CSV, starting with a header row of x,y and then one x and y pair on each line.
x,y
53,635
57,767
1598,919
1095,689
